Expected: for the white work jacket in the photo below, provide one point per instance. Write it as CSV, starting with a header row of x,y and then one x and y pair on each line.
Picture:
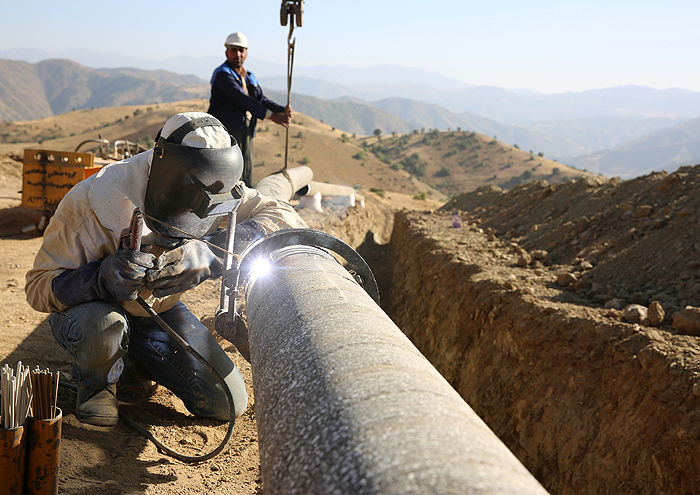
x,y
91,218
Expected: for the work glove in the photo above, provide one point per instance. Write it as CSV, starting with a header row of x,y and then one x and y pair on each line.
x,y
123,274
183,268
119,276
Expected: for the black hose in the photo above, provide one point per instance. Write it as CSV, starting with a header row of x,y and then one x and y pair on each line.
x,y
161,446
135,245
232,410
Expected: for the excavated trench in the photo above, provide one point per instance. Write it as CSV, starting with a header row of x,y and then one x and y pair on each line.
x,y
589,404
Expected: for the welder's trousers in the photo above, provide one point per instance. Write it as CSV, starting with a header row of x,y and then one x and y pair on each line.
x,y
98,335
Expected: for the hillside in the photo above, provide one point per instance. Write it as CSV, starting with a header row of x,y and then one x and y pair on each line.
x,y
665,149
421,115
460,161
598,133
612,131
328,151
30,91
430,164
349,115
524,310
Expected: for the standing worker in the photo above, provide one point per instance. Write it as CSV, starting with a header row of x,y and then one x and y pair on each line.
x,y
237,100
85,277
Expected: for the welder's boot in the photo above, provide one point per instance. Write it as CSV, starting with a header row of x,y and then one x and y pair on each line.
x,y
100,408
133,387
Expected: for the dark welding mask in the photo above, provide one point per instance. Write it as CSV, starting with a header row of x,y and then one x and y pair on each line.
x,y
189,189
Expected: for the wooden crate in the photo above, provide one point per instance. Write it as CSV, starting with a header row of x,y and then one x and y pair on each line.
x,y
48,175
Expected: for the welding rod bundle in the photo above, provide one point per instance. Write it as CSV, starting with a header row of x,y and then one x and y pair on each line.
x,y
30,431
16,395
44,393
24,391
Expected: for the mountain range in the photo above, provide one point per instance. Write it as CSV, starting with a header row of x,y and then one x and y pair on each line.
x,y
30,91
613,131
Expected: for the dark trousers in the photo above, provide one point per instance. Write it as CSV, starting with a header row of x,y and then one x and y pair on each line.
x,y
97,335
245,142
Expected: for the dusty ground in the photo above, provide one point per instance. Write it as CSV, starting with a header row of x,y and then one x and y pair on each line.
x,y
117,460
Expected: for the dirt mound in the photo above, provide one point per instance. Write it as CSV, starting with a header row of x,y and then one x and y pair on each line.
x,y
630,242
588,403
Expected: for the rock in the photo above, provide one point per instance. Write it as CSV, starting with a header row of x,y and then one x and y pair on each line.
x,y
565,279
540,254
615,303
635,313
524,258
687,321
655,313
643,211
584,265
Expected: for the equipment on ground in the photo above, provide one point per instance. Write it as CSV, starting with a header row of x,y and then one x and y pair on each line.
x,y
47,175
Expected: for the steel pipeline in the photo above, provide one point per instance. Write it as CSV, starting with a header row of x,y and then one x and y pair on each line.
x,y
346,404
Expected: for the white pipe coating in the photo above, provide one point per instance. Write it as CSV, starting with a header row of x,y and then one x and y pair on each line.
x,y
283,187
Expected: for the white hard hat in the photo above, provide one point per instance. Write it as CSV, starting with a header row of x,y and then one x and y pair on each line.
x,y
237,39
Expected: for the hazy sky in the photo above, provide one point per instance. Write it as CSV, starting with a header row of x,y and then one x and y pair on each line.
x,y
546,46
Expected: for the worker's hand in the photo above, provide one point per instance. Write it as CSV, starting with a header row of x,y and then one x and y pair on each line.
x,y
123,274
289,112
281,118
183,268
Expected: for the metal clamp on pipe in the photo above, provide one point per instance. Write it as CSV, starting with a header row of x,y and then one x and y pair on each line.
x,y
256,260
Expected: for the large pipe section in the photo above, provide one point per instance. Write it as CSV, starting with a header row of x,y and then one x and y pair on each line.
x,y
345,403
283,185
326,189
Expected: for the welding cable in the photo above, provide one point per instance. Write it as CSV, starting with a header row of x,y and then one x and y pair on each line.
x,y
135,244
232,410
164,449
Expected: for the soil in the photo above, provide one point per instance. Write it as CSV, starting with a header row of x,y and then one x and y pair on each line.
x,y
588,401
520,310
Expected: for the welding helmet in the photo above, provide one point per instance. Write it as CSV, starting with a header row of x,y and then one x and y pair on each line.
x,y
195,165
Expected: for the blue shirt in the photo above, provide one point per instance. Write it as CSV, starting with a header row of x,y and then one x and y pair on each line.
x,y
229,103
